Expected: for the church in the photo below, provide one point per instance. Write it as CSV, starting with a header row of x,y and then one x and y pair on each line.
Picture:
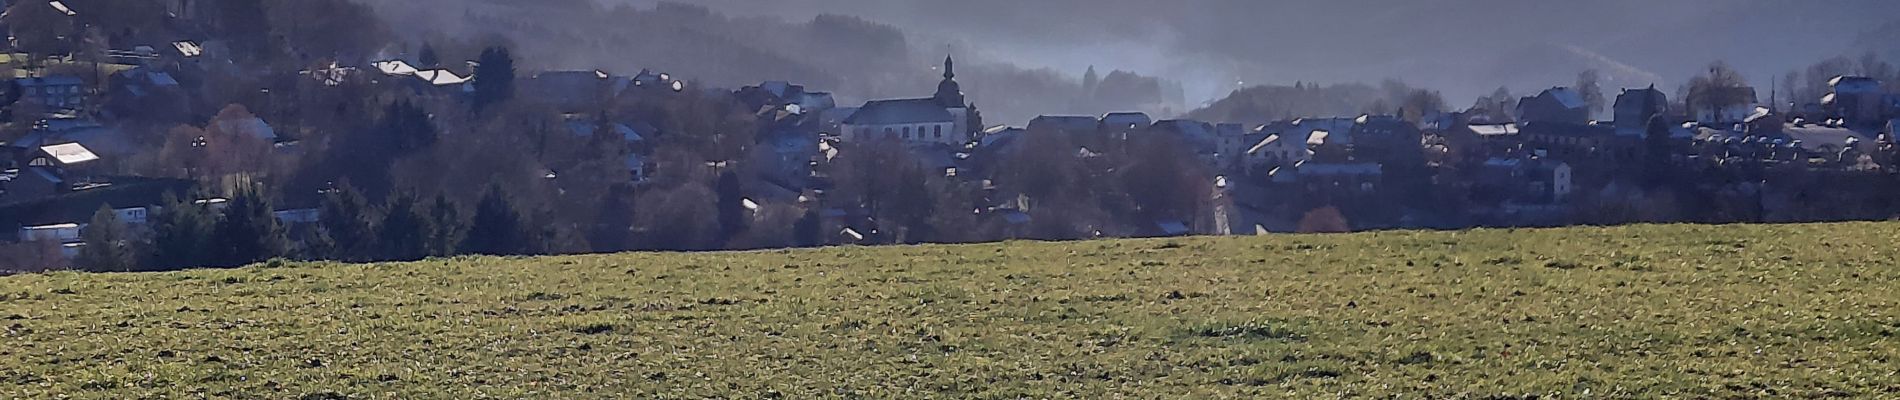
x,y
941,119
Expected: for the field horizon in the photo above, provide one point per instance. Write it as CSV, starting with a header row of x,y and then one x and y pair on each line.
x,y
1688,311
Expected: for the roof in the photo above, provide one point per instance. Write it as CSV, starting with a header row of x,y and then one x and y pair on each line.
x,y
57,5
1134,119
1568,97
1172,227
1269,141
1065,123
1186,128
441,77
69,153
1317,138
1760,112
1341,169
188,48
395,67
255,126
1854,84
1495,130
902,111
55,80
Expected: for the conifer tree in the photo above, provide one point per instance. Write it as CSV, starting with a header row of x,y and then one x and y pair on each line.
x,y
108,246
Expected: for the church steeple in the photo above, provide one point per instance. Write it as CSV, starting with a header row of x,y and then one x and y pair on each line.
x,y
949,93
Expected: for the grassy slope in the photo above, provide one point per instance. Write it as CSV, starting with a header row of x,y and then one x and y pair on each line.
x,y
1772,312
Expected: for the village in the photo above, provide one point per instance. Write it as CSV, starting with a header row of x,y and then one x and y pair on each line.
x,y
184,139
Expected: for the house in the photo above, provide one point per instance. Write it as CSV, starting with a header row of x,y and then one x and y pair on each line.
x,y
66,155
1332,177
144,81
1635,107
1531,180
424,79
1858,99
1231,145
945,118
1580,141
638,168
58,92
1558,104
94,136
1736,105
62,233
1065,124
628,134
1386,139
30,183
254,126
573,91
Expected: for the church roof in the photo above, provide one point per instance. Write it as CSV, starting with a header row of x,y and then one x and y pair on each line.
x,y
901,111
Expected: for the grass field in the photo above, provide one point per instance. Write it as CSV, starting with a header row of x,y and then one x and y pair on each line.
x,y
1796,311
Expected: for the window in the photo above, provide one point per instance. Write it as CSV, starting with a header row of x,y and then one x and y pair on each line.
x,y
939,131
906,132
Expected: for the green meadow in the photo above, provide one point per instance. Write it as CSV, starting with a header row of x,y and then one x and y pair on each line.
x,y
1771,312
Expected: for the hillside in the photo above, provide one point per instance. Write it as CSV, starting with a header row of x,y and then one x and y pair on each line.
x,y
1794,311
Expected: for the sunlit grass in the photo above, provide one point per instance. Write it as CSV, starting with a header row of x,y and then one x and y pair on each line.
x,y
1796,311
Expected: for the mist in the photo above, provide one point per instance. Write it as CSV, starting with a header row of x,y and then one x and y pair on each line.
x,y
1207,49
1463,47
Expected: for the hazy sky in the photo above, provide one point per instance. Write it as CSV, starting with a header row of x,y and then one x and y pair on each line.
x,y
1465,47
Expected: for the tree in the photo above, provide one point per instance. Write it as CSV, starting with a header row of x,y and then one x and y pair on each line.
x,y
809,231
1589,84
494,78
39,29
445,221
346,219
1656,153
182,234
1716,89
246,24
497,228
732,209
427,58
1324,220
249,232
404,233
1420,102
108,247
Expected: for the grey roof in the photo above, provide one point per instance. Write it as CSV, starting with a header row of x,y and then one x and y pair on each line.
x,y
1137,119
901,111
55,80
1065,122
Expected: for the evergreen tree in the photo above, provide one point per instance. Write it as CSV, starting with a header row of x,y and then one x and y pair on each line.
x,y
346,220
181,235
497,228
249,232
809,231
445,221
732,210
494,78
427,58
404,233
247,25
1656,153
108,246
